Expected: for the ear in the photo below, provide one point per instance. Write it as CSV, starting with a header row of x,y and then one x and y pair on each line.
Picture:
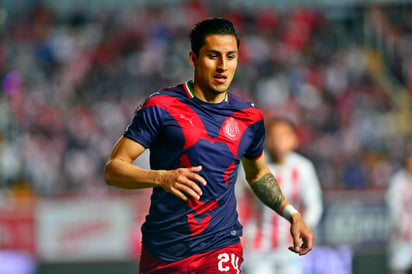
x,y
192,58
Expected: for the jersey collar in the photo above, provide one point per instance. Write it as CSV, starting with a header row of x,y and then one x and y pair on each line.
x,y
191,95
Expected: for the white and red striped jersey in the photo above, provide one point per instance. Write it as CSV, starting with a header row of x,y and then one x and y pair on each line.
x,y
399,201
264,229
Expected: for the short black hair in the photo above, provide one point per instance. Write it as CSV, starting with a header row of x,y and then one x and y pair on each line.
x,y
208,27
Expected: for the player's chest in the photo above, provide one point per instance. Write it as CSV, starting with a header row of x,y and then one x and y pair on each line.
x,y
288,178
406,195
187,126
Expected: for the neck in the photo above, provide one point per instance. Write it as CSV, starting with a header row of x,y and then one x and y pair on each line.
x,y
277,159
207,96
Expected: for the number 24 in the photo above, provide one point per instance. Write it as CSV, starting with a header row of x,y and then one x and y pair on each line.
x,y
223,263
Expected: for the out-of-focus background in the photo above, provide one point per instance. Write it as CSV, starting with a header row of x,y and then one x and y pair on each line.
x,y
73,72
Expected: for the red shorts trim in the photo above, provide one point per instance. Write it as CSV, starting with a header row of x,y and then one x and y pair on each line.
x,y
225,260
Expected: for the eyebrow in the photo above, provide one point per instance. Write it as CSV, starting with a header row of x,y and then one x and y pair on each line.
x,y
218,52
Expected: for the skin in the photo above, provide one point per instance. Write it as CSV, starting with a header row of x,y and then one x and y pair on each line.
x,y
214,69
267,189
281,139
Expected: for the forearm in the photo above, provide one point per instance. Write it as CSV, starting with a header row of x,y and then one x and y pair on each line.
x,y
125,175
267,189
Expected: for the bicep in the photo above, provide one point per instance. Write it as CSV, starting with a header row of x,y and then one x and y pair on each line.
x,y
127,150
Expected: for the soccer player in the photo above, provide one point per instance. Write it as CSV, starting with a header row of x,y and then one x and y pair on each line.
x,y
266,234
198,133
399,204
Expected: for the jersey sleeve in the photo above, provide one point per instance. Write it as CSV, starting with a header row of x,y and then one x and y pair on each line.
x,y
255,149
145,124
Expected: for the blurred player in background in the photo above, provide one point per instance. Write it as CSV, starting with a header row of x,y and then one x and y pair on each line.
x,y
399,204
266,234
198,133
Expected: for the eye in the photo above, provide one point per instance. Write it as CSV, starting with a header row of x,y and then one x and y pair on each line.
x,y
212,56
231,55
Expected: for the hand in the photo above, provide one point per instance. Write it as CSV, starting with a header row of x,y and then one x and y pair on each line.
x,y
183,182
302,236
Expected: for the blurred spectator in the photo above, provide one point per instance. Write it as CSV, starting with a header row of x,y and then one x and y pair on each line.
x,y
266,234
70,79
399,202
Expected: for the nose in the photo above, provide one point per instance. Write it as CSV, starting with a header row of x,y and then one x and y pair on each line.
x,y
222,64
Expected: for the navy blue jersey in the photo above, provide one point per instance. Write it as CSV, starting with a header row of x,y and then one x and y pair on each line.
x,y
182,131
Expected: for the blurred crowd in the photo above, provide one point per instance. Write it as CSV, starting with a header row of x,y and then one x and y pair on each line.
x,y
70,83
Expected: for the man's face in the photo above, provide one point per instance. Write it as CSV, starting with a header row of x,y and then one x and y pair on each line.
x,y
216,64
281,139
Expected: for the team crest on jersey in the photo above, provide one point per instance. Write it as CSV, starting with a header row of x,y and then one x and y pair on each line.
x,y
231,129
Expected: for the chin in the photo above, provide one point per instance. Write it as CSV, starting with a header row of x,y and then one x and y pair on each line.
x,y
221,88
220,92
216,91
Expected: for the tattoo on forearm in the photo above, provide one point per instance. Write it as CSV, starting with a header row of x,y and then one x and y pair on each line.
x,y
268,191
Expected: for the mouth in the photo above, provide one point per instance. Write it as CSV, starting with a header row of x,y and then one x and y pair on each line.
x,y
220,78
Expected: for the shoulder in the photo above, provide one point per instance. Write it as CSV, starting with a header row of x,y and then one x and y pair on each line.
x,y
398,182
244,105
240,101
163,97
174,91
398,178
299,158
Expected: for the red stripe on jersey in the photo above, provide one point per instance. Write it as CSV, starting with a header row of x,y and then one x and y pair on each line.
x,y
197,227
261,154
184,161
230,133
274,236
294,187
200,208
279,179
257,243
228,171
